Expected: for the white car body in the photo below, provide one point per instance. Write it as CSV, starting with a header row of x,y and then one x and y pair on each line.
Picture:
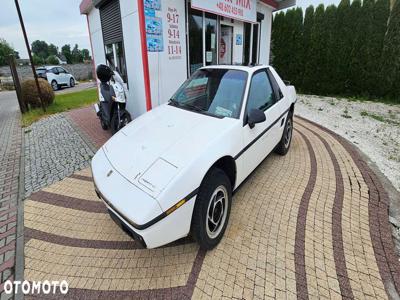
x,y
146,170
57,76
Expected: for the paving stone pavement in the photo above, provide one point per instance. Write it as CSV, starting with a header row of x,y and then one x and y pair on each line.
x,y
10,152
53,150
313,224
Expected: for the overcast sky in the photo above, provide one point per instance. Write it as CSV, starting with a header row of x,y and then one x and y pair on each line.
x,y
59,22
54,21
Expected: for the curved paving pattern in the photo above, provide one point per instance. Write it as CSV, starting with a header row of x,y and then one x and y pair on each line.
x,y
312,224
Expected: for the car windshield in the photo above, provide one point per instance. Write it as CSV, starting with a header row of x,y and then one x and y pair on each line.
x,y
216,92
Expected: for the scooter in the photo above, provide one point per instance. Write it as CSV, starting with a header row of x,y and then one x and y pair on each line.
x,y
111,108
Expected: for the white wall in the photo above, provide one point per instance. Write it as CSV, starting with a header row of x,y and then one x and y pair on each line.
x,y
97,37
133,55
167,74
238,49
266,25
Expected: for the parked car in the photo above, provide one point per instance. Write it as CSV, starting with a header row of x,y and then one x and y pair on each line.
x,y
56,76
173,170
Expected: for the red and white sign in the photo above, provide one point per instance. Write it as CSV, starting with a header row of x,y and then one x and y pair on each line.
x,y
243,10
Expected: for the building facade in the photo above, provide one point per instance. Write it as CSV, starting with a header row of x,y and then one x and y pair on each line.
x,y
157,44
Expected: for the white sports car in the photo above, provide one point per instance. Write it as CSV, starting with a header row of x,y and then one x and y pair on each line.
x,y
172,171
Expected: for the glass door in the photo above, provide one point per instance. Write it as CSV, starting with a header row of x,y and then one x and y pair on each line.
x,y
211,39
195,40
256,43
226,45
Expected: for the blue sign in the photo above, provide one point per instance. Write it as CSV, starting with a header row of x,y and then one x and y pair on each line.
x,y
152,4
239,39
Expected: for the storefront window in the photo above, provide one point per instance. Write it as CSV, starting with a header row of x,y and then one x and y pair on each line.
x,y
211,39
116,59
195,40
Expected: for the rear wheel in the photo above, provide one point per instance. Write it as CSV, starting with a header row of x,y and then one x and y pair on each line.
x,y
284,145
212,209
55,85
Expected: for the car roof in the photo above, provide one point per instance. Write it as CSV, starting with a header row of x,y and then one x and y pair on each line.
x,y
246,68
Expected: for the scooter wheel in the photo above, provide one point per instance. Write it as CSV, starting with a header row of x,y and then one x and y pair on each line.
x,y
103,125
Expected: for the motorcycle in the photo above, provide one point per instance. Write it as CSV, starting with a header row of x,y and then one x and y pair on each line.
x,y
111,108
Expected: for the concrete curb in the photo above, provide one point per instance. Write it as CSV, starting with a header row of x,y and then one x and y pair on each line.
x,y
19,248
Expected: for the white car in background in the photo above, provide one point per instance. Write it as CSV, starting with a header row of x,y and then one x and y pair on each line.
x,y
173,170
56,76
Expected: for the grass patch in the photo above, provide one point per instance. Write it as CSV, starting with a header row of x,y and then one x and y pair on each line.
x,y
62,102
378,118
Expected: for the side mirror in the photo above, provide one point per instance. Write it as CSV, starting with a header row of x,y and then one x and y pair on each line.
x,y
254,117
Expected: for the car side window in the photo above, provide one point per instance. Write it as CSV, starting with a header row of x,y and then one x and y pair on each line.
x,y
54,70
275,86
261,94
61,70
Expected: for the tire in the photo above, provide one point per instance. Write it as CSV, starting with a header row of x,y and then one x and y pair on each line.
x,y
103,124
284,144
125,120
55,85
212,209
71,82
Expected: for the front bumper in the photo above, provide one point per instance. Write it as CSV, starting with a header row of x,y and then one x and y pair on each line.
x,y
138,213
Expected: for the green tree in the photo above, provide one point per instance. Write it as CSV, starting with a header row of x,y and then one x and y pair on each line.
x,y
77,56
37,60
329,29
359,47
315,66
52,60
86,54
66,51
306,82
344,40
391,55
277,39
40,48
53,49
5,51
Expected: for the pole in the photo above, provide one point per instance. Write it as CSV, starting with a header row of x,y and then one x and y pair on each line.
x,y
30,54
17,84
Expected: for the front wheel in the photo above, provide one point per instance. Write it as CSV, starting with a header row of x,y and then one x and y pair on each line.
x,y
212,209
119,123
71,82
284,145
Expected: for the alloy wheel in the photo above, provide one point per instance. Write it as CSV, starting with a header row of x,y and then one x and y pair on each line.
x,y
217,212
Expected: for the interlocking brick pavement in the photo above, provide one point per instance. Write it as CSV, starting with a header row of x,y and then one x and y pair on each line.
x,y
10,151
86,119
313,224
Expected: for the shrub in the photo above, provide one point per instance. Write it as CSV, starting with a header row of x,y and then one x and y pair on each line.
x,y
30,93
52,60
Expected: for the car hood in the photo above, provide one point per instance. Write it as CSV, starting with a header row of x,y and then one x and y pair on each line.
x,y
154,148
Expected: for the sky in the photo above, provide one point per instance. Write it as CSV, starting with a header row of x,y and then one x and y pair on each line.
x,y
59,22
54,21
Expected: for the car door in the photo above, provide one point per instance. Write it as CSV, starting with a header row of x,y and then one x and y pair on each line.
x,y
63,75
260,140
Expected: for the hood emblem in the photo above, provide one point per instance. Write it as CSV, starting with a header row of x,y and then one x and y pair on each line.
x,y
110,173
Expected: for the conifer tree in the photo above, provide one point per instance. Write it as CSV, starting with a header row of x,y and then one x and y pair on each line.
x,y
344,41
306,84
391,55
379,26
